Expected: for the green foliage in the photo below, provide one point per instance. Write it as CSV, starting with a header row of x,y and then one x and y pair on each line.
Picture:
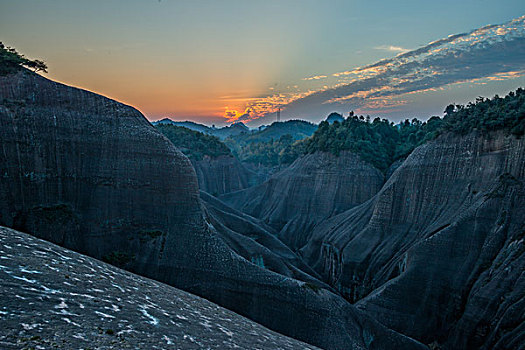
x,y
273,145
380,142
268,153
11,61
488,114
192,143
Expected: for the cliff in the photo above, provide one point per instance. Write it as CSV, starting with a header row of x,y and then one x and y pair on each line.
x,y
53,297
315,187
438,253
224,174
92,175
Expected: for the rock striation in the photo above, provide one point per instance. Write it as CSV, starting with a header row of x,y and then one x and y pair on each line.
x,y
55,298
223,174
438,253
93,175
310,190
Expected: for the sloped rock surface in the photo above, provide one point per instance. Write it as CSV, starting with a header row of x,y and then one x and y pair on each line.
x,y
438,253
55,298
310,190
223,174
93,175
256,242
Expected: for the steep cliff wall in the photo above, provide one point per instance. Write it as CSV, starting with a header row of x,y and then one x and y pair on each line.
x,y
310,190
438,253
224,174
93,175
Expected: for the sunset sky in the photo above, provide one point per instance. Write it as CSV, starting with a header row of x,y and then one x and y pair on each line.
x,y
217,62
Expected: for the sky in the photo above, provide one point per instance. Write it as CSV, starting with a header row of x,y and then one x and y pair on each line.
x,y
219,62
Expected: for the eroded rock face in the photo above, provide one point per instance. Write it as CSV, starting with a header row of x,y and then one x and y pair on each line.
x,y
51,295
223,174
257,242
93,175
310,190
438,253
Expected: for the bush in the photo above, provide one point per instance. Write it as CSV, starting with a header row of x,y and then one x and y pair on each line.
x,y
11,61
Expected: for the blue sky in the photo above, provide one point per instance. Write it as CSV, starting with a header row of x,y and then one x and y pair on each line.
x,y
222,61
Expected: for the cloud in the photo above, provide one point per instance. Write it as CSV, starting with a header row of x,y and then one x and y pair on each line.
x,y
491,53
315,77
391,48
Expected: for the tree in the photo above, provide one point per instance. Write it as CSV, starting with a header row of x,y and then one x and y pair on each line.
x,y
450,109
11,61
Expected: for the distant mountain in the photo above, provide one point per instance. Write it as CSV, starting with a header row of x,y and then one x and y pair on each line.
x,y
222,133
232,130
187,124
298,129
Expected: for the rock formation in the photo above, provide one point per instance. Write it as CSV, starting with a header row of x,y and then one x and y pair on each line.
x,y
93,175
55,298
438,253
313,188
223,174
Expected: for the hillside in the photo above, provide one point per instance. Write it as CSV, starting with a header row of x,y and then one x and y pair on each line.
x,y
218,171
222,133
268,147
194,144
72,301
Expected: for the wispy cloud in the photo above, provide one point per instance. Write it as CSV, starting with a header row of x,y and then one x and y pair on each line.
x,y
494,52
391,48
315,77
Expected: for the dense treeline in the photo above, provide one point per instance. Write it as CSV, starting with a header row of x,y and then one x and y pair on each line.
x,y
488,114
195,145
268,153
265,147
380,142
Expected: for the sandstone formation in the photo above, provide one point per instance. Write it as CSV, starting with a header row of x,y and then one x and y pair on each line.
x,y
91,174
438,253
310,190
256,242
223,174
55,298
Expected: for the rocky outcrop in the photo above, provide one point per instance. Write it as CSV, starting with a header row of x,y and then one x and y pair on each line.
x,y
223,174
53,297
438,253
93,175
310,190
256,242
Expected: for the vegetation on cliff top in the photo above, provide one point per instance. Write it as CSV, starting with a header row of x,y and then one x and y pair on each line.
x,y
11,61
264,147
195,145
380,142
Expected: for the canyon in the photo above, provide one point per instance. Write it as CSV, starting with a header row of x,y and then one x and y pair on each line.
x,y
330,250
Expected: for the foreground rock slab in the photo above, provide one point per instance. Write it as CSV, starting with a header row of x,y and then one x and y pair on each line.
x,y
55,298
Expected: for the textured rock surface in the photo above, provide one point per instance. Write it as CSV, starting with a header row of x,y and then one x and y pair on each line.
x,y
224,174
256,242
438,253
55,298
93,175
310,190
